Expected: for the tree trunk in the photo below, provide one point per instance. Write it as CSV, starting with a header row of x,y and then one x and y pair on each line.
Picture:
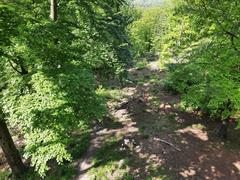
x,y
11,153
223,130
54,14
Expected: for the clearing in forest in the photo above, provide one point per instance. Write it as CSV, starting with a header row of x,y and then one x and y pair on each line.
x,y
149,136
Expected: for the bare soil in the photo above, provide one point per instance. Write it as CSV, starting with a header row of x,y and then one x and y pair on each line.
x,y
150,116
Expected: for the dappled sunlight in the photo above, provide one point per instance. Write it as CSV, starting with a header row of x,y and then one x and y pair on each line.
x,y
199,133
107,89
191,172
202,158
179,120
188,173
159,138
121,113
186,131
165,106
130,91
184,141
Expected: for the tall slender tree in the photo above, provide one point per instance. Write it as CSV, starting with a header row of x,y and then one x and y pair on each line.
x,y
53,12
11,153
10,150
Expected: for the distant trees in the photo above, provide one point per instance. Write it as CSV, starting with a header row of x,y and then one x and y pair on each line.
x,y
148,29
47,83
198,42
148,3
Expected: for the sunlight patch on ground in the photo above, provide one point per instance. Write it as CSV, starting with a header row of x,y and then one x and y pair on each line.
x,y
202,158
237,165
188,172
130,91
199,133
165,106
152,129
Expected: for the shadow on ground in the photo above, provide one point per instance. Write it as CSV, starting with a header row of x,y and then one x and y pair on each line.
x,y
153,138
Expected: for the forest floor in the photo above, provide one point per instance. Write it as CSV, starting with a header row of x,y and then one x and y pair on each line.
x,y
149,136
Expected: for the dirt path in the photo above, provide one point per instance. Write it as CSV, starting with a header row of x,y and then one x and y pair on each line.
x,y
165,137
99,137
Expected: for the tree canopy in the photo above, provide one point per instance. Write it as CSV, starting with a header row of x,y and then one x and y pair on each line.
x,y
48,69
205,43
55,56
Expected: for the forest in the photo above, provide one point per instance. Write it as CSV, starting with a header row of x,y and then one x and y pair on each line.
x,y
119,89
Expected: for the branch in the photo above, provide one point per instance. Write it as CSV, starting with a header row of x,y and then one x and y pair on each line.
x,y
231,34
168,143
10,62
23,70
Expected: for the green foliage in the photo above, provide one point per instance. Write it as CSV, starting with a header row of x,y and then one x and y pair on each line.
x,y
48,70
142,64
198,43
111,94
148,29
107,165
4,175
203,47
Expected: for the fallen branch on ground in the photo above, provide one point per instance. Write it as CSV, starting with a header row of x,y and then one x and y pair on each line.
x,y
168,143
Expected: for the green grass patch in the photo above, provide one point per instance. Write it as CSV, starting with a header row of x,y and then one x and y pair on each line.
x,y
110,162
171,117
157,173
142,64
155,102
111,94
5,175
79,145
199,126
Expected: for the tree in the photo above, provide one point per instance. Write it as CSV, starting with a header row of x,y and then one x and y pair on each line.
x,y
53,10
12,155
48,70
147,31
206,72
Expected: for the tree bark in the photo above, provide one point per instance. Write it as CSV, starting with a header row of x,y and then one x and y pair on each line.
x,y
223,130
53,9
11,153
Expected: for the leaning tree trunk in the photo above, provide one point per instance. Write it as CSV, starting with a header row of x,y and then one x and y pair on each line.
x,y
11,153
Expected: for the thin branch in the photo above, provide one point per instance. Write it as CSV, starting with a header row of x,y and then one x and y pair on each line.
x,y
232,35
168,143
10,62
23,70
